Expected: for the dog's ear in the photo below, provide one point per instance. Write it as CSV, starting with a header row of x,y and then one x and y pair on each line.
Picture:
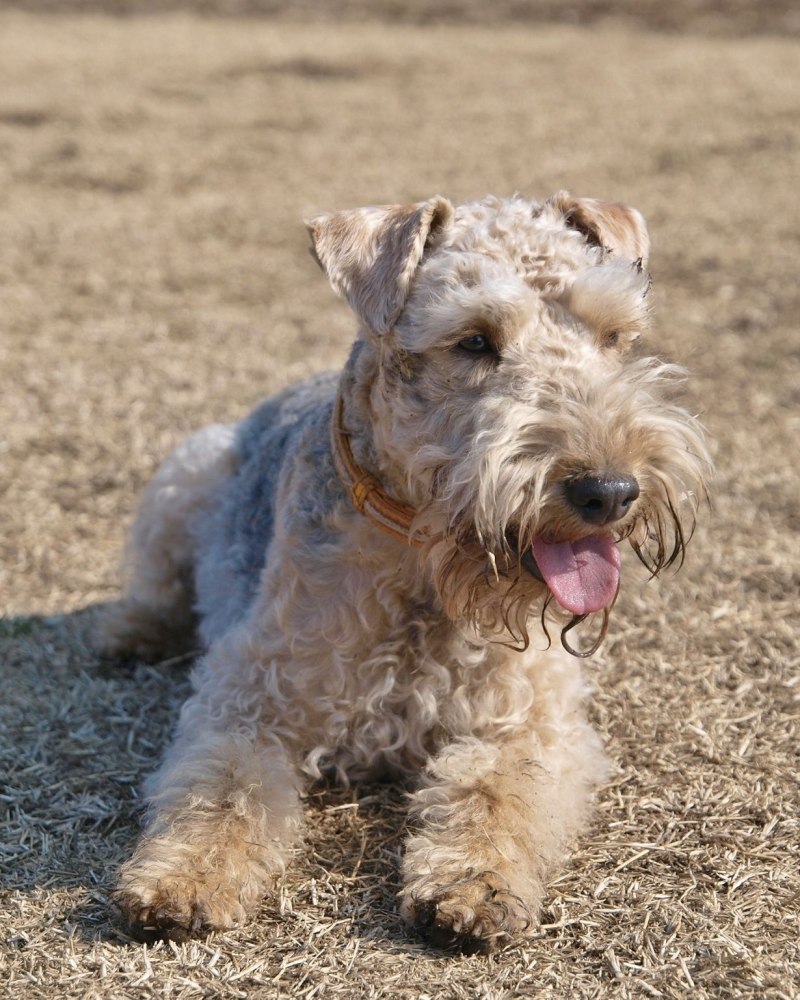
x,y
370,254
610,224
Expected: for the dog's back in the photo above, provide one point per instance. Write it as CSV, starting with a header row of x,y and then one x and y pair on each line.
x,y
233,537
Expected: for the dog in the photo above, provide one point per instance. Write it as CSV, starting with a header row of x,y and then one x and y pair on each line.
x,y
365,557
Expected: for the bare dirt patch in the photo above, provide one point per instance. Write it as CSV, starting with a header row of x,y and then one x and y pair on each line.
x,y
154,277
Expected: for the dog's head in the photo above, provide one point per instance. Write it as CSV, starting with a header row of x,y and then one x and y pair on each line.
x,y
502,403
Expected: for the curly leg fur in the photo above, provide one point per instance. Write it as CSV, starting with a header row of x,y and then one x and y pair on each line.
x,y
494,820
225,811
156,614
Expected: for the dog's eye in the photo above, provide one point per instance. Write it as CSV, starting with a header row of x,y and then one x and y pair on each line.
x,y
612,339
476,344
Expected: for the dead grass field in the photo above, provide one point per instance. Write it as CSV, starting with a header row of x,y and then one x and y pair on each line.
x,y
154,276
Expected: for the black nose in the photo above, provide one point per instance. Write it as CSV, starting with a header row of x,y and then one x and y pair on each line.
x,y
602,499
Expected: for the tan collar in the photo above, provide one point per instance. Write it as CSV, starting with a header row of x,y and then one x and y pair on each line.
x,y
365,492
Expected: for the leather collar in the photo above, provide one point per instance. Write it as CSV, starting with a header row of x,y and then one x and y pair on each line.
x,y
365,491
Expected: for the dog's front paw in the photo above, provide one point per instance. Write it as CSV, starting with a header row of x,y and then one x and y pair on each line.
x,y
476,914
176,907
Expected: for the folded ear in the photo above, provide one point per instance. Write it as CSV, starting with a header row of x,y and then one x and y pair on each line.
x,y
609,224
370,254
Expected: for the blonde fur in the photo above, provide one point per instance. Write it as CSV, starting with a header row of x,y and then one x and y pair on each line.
x,y
333,648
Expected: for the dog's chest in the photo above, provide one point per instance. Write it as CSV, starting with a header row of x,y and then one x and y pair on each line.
x,y
406,693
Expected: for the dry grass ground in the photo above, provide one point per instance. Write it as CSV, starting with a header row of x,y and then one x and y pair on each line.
x,y
154,276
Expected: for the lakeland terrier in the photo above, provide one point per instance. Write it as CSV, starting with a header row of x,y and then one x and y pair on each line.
x,y
365,554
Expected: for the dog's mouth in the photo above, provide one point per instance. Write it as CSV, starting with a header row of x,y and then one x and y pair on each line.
x,y
583,576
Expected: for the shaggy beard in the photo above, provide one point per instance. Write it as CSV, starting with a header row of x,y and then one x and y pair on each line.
x,y
479,560
490,588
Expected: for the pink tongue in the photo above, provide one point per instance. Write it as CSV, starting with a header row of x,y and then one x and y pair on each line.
x,y
584,575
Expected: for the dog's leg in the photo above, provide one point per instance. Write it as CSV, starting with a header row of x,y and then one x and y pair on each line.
x,y
494,819
224,814
155,615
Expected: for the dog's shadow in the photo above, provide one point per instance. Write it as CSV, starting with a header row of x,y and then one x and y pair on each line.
x,y
78,736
